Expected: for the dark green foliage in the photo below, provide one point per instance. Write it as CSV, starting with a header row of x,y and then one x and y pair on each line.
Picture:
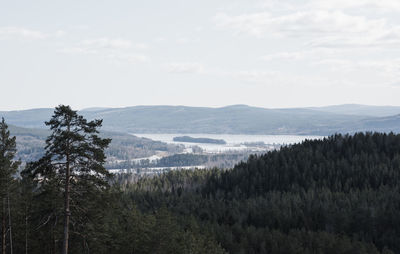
x,y
71,170
8,167
199,140
64,202
337,195
340,193
338,163
177,160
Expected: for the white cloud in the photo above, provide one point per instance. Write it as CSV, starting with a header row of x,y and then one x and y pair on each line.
x,y
307,54
386,5
272,78
183,40
299,23
321,25
387,69
21,33
185,68
384,38
60,33
107,43
112,49
186,40
255,76
132,58
77,50
284,56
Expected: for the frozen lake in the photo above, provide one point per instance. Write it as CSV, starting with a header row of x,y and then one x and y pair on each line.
x,y
233,141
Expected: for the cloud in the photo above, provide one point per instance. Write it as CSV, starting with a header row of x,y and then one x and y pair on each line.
x,y
111,44
269,78
21,33
185,68
299,23
112,49
388,69
186,40
106,43
307,54
256,76
183,40
132,58
284,56
385,38
385,5
320,26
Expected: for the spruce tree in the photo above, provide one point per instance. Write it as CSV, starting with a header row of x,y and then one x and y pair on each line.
x,y
8,167
74,158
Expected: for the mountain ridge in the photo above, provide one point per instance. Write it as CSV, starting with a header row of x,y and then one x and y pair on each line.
x,y
231,119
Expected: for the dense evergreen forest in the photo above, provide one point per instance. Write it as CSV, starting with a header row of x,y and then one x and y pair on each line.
x,y
199,140
337,195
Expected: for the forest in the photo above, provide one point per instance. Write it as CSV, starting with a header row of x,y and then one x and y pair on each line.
x,y
336,195
199,140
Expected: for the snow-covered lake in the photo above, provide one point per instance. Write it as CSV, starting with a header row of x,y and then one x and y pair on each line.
x,y
234,142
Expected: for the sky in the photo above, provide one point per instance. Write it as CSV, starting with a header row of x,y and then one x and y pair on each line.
x,y
265,53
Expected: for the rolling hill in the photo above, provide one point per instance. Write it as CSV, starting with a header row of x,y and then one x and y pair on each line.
x,y
236,119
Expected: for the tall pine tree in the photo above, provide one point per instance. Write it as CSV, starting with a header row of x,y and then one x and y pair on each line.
x,y
74,159
8,167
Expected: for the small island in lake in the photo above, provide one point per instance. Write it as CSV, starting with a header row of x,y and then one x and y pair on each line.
x,y
199,140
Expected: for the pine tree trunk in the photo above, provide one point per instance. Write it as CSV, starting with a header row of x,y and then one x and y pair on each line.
x,y
9,222
66,206
3,229
26,229
66,201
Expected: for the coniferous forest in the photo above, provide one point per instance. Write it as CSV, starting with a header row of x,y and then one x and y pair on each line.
x,y
336,195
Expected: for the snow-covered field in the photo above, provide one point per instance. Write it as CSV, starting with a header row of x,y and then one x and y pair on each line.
x,y
233,142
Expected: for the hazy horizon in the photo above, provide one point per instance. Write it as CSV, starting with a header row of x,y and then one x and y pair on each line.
x,y
177,105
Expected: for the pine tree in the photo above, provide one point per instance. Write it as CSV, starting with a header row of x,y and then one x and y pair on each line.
x,y
74,158
8,167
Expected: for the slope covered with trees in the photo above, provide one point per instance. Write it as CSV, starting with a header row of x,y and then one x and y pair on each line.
x,y
337,195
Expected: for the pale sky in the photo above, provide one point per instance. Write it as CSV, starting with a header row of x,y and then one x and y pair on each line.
x,y
266,53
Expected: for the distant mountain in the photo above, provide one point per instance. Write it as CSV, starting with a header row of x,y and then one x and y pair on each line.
x,y
236,119
31,118
382,124
231,119
363,110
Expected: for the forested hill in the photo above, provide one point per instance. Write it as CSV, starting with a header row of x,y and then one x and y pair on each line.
x,y
31,143
337,195
236,119
338,163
